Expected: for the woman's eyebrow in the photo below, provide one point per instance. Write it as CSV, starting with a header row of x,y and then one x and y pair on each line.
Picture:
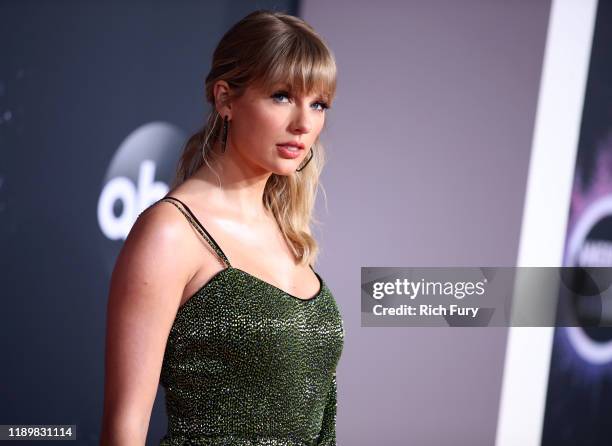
x,y
320,96
282,86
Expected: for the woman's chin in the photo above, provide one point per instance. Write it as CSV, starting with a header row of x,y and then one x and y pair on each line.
x,y
284,169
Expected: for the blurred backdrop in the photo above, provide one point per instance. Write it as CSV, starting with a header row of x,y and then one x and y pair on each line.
x,y
429,142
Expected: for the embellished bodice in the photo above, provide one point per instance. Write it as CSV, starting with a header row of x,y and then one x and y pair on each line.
x,y
248,364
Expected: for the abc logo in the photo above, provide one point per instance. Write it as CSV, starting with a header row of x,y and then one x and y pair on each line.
x,y
139,174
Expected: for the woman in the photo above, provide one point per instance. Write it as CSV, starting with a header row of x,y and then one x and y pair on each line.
x,y
246,351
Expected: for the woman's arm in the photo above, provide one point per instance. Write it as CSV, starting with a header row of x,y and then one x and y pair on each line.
x,y
145,292
327,436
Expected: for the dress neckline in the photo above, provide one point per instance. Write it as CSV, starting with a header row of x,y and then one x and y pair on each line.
x,y
299,300
193,219
318,293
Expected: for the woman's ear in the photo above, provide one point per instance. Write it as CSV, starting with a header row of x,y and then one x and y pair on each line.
x,y
222,93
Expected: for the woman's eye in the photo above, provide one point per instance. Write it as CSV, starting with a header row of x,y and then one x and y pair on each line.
x,y
280,94
323,106
278,97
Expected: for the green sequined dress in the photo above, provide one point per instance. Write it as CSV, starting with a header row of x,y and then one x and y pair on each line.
x,y
248,364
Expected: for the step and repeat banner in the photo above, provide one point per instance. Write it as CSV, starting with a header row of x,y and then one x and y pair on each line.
x,y
579,395
96,102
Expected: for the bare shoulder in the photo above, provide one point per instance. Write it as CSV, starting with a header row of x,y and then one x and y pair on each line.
x,y
150,255
145,292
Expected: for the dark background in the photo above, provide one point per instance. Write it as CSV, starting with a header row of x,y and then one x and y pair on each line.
x,y
76,78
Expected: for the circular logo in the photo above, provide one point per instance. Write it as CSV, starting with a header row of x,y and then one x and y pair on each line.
x,y
138,175
590,244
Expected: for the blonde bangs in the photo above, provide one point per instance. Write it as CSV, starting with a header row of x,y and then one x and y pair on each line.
x,y
300,64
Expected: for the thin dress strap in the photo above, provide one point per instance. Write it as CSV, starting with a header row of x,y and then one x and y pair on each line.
x,y
199,227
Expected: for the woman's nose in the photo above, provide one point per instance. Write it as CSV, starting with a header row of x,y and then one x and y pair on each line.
x,y
302,122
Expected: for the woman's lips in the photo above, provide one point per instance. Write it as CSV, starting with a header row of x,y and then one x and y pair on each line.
x,y
288,152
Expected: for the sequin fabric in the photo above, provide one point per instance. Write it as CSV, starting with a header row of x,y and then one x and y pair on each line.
x,y
247,364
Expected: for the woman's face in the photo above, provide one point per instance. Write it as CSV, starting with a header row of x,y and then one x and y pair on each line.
x,y
263,123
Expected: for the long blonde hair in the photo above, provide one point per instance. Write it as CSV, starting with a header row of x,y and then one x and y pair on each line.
x,y
263,49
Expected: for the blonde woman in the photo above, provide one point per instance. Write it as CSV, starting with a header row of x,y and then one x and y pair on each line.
x,y
214,294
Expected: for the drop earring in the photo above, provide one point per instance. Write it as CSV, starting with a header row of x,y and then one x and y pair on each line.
x,y
209,132
224,134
